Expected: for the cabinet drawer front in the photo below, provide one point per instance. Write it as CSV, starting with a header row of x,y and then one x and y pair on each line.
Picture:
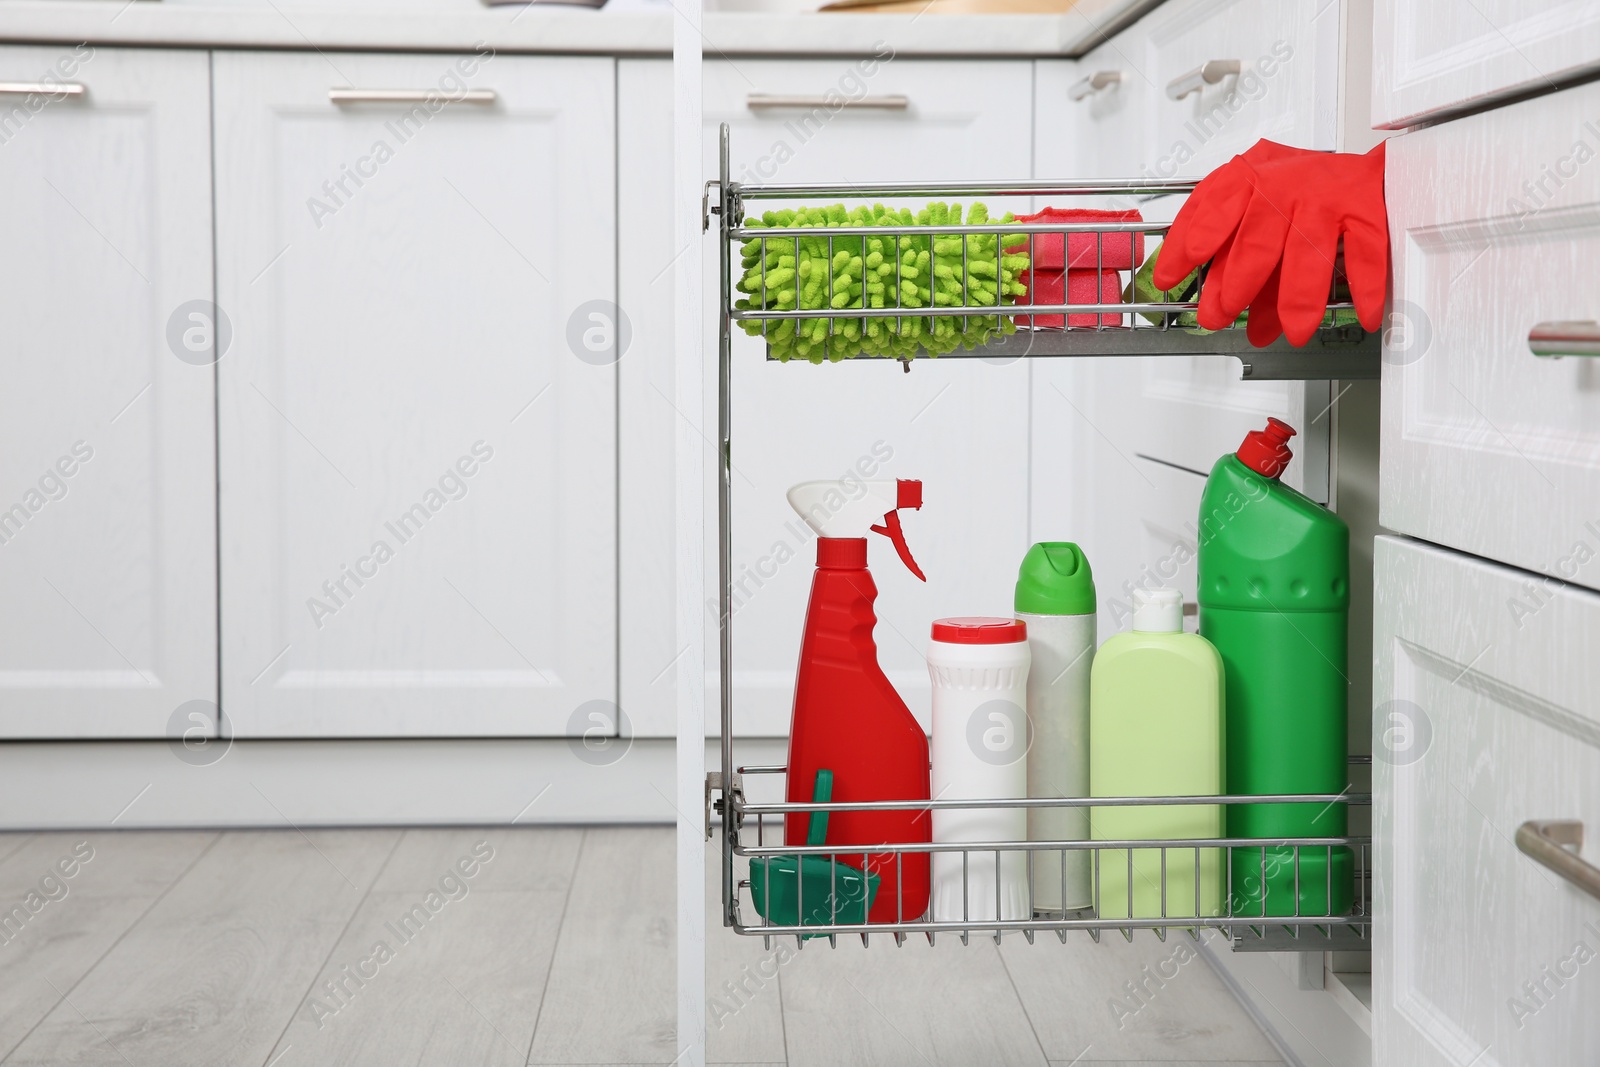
x,y
107,446
1487,716
1286,88
871,118
1433,57
1495,226
417,441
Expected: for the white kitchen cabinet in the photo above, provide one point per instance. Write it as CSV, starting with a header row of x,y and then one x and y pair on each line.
x,y
1485,718
1095,135
1487,447
1286,87
107,467
1436,57
959,425
418,414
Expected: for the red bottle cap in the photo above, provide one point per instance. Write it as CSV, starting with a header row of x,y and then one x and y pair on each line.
x,y
842,553
1267,451
980,630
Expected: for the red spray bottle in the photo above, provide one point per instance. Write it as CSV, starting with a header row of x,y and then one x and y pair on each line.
x,y
847,716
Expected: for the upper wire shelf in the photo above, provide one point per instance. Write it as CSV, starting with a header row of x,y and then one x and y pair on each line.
x,y
1096,326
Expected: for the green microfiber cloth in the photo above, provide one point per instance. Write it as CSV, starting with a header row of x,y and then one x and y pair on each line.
x,y
1142,290
910,271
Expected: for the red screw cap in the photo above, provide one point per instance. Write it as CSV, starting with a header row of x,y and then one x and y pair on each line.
x,y
1267,451
979,630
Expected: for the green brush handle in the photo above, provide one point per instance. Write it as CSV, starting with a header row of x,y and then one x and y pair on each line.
x,y
821,793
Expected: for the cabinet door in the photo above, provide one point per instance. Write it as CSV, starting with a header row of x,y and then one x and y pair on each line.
x,y
418,417
107,453
1286,87
960,425
1096,135
1487,447
1434,57
1486,718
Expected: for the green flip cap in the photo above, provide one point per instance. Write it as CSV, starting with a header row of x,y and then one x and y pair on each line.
x,y
1055,580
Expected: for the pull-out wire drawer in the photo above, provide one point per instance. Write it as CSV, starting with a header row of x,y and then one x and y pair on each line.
x,y
978,319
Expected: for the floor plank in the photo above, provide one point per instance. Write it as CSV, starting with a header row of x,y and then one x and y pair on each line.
x,y
947,1004
138,863
611,996
1147,1000
10,842
211,973
458,981
50,950
462,988
744,1008
523,858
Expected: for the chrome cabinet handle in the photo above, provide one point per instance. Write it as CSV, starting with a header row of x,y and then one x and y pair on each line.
x,y
1557,339
1094,83
344,95
1548,840
1208,73
41,88
772,101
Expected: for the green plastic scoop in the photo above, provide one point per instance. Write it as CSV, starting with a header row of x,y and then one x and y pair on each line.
x,y
811,890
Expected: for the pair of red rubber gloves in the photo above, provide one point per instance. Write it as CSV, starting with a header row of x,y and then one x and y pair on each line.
x,y
1269,221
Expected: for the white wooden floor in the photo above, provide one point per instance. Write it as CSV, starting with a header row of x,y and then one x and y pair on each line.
x,y
500,946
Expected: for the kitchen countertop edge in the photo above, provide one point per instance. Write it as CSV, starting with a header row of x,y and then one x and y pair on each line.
x,y
535,30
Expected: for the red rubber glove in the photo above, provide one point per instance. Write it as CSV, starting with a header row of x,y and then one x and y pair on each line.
x,y
1263,326
1296,207
1300,210
1210,216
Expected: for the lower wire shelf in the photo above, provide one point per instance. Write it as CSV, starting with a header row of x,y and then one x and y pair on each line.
x,y
1249,919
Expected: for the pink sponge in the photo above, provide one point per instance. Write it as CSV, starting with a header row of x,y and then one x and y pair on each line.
x,y
1118,251
1071,287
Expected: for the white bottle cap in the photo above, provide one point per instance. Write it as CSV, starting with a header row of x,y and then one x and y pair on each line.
x,y
1157,611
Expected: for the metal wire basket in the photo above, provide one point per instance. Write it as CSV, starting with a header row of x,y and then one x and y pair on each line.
x,y
1120,328
753,831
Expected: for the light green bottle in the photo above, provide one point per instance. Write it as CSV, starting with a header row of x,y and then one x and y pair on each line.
x,y
1156,729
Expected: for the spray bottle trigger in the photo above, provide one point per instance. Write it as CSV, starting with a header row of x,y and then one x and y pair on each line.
x,y
891,529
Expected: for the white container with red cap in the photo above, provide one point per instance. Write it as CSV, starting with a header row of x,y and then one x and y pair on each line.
x,y
979,668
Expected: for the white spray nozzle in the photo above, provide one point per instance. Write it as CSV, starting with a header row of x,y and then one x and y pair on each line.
x,y
850,508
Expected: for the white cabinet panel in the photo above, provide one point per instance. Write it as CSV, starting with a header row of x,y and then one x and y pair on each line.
x,y
1487,447
1433,57
1286,88
107,453
1486,717
1095,136
960,425
647,421
417,447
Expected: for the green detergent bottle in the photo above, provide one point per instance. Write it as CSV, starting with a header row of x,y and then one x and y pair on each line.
x,y
1274,599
